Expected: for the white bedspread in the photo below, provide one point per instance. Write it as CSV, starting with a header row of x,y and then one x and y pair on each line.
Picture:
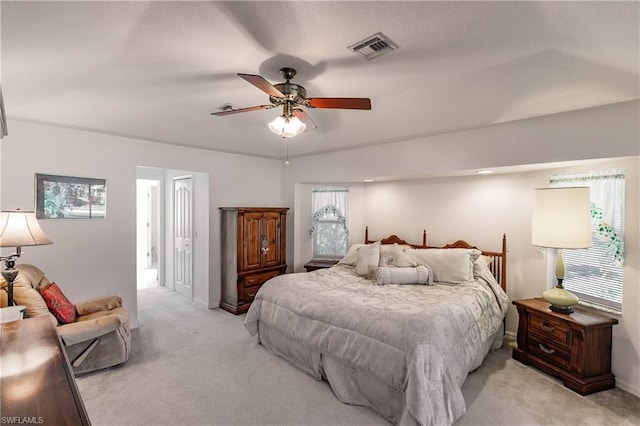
x,y
421,341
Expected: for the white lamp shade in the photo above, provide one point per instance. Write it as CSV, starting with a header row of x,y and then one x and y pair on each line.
x,y
561,218
287,127
20,228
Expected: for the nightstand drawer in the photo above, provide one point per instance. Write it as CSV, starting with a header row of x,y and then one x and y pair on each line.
x,y
549,350
555,331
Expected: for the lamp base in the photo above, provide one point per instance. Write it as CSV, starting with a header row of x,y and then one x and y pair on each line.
x,y
561,300
9,276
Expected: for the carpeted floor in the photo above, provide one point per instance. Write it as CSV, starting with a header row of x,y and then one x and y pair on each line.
x,y
194,366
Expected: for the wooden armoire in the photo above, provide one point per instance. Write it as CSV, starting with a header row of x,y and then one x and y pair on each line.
x,y
254,249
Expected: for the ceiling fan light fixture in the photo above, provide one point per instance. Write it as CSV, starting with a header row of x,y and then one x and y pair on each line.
x,y
287,127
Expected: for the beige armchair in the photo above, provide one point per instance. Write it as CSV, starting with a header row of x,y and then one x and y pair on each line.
x,y
99,337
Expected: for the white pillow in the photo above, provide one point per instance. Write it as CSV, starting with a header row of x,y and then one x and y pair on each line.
x,y
368,257
402,260
486,260
390,275
448,265
352,255
386,254
391,253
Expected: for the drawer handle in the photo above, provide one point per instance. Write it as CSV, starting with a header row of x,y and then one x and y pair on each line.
x,y
547,327
546,350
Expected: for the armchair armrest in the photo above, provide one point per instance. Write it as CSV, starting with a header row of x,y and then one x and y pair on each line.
x,y
82,331
104,303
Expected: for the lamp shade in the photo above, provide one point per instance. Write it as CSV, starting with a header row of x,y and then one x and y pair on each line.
x,y
287,127
561,218
20,228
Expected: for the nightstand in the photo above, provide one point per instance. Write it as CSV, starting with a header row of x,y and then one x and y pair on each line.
x,y
573,347
319,264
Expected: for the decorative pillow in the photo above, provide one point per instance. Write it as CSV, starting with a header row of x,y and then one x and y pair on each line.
x,y
352,255
448,265
25,295
368,257
480,268
58,304
402,260
393,255
391,275
386,254
486,260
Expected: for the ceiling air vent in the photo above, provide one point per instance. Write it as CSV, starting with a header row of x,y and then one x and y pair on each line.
x,y
373,46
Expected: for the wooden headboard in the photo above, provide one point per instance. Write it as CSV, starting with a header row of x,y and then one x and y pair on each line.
x,y
497,259
394,239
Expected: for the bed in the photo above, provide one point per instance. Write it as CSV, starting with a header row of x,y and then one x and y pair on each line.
x,y
402,349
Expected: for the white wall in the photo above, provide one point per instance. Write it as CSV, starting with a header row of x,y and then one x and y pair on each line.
x,y
593,133
480,209
93,257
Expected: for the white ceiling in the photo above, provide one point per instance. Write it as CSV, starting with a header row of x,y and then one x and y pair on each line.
x,y
156,70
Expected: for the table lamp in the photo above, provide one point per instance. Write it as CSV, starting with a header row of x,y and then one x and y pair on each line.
x,y
561,219
17,229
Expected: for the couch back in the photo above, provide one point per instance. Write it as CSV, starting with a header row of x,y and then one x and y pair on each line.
x,y
30,279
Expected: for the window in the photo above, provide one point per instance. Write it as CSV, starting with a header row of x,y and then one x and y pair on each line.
x,y
329,230
595,274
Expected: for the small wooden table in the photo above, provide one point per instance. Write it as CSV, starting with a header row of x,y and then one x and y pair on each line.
x,y
573,347
38,386
319,264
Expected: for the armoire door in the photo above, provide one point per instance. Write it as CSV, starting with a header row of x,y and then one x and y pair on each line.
x,y
252,247
270,233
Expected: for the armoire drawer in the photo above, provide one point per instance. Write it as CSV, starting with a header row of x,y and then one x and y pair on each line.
x,y
257,279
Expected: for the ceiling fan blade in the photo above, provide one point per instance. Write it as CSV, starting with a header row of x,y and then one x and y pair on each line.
x,y
262,84
340,103
235,111
304,117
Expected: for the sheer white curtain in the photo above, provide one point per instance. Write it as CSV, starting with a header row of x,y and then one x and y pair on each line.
x,y
336,197
607,200
595,274
329,230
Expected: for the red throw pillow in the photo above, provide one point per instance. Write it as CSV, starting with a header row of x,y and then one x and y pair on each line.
x,y
58,304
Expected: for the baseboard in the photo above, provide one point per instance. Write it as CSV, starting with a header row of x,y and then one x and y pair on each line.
x,y
200,302
627,387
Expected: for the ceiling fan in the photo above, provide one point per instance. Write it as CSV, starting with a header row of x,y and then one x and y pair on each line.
x,y
292,97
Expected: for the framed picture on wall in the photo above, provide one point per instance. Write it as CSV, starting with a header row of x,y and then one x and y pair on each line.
x,y
67,197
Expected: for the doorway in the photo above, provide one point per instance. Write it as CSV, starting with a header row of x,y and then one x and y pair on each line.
x,y
148,232
166,199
